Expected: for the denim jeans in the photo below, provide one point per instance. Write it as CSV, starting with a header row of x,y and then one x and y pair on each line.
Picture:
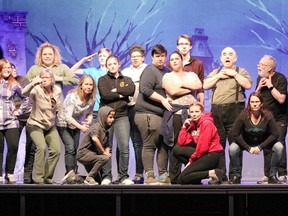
x,y
136,140
149,126
121,127
70,138
235,151
282,169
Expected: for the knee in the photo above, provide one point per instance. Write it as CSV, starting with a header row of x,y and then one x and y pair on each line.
x,y
278,147
233,149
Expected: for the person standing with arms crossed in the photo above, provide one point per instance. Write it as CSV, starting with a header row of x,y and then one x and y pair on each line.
x,y
190,63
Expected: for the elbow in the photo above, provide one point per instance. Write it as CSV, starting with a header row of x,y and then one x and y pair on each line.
x,y
282,99
205,86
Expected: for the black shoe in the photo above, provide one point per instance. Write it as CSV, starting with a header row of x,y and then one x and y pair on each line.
x,y
235,180
218,178
273,180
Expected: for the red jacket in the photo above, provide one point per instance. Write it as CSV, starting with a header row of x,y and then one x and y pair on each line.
x,y
204,134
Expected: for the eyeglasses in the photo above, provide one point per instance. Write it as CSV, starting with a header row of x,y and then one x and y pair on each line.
x,y
136,56
261,64
184,44
53,102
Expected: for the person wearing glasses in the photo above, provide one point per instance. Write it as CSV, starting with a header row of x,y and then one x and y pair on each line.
x,y
9,124
272,86
191,63
228,84
254,131
137,55
47,98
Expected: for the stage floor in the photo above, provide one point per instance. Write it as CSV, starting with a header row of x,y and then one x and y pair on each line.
x,y
248,198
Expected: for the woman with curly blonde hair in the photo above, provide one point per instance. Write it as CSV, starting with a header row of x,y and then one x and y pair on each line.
x,y
48,56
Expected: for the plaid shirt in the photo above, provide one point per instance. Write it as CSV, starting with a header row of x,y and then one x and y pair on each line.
x,y
7,119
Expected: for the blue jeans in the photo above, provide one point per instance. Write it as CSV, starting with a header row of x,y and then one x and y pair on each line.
x,y
235,153
70,138
282,170
121,127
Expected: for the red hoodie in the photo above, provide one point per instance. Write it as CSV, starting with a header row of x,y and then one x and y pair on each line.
x,y
204,134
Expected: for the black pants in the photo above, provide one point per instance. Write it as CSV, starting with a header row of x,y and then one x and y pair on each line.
x,y
224,117
199,169
179,155
30,149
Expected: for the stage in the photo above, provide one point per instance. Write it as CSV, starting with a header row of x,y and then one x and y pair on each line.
x,y
169,200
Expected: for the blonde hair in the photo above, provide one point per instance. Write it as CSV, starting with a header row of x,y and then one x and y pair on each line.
x,y
197,104
78,89
57,56
10,79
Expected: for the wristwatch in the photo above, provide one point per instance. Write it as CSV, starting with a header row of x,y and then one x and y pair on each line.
x,y
271,88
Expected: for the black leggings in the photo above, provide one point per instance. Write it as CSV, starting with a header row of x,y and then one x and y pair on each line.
x,y
199,169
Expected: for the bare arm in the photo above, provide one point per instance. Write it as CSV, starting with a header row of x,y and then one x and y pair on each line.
x,y
75,68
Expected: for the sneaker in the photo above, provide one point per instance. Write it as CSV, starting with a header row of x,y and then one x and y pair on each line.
x,y
10,179
235,180
127,182
264,180
68,175
283,179
150,178
138,179
1,180
274,180
90,181
106,181
217,179
164,179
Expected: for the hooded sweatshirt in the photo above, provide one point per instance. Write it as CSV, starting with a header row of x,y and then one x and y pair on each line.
x,y
203,134
99,130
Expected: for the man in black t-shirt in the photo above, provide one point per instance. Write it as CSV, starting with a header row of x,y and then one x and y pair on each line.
x,y
273,87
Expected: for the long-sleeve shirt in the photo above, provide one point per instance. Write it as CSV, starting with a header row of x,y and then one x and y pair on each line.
x,y
124,86
7,119
203,134
73,107
60,70
43,114
248,135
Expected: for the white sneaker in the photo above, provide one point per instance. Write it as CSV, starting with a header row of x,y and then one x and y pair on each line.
x,y
68,175
1,180
10,179
282,179
106,181
127,182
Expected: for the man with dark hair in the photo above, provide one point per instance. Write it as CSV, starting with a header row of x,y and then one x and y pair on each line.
x,y
150,106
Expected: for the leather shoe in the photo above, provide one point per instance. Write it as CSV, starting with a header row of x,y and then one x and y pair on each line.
x,y
218,178
235,180
273,180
